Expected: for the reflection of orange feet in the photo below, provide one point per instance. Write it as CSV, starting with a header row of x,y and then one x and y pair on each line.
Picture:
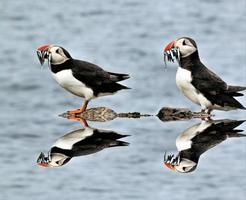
x,y
81,120
80,110
74,112
73,118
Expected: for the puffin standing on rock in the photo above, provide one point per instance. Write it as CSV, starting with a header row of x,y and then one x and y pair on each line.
x,y
197,82
79,77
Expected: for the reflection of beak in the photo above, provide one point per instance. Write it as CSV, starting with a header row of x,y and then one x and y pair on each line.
x,y
171,52
43,53
170,166
42,160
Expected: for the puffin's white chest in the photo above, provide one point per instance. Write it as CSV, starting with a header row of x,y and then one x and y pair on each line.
x,y
66,80
183,81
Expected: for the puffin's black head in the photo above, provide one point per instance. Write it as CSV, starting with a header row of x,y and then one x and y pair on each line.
x,y
179,48
54,54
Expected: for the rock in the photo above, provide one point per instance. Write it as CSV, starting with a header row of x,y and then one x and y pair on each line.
x,y
103,114
172,114
100,114
133,115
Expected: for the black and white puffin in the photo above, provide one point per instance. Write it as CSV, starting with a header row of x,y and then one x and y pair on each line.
x,y
196,140
80,142
79,77
197,82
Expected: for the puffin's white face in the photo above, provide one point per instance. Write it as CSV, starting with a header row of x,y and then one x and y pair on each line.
x,y
185,47
57,55
179,48
57,160
54,54
185,166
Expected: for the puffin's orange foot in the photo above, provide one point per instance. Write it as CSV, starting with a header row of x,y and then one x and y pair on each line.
x,y
80,110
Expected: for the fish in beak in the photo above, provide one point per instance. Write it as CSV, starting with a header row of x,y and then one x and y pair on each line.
x,y
43,53
170,161
171,52
42,160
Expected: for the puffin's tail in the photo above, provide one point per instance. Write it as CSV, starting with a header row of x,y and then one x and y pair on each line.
x,y
110,88
236,104
114,87
228,127
118,143
112,138
118,77
234,90
230,93
236,134
227,100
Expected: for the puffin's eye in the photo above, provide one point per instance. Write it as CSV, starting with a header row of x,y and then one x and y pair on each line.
x,y
184,43
57,51
184,168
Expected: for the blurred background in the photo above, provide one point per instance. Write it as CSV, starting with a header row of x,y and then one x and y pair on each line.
x,y
124,36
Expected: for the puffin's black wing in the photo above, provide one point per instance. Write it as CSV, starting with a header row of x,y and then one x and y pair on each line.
x,y
207,81
83,68
96,78
214,88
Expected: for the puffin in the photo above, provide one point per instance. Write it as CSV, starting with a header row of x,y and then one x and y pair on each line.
x,y
199,138
79,142
197,82
81,78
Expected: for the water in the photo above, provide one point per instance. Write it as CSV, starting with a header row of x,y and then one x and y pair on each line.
x,y
128,37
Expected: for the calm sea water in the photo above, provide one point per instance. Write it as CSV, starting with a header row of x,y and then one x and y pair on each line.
x,y
122,36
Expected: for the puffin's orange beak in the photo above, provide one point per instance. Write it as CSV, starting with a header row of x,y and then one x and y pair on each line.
x,y
171,52
169,46
43,47
42,53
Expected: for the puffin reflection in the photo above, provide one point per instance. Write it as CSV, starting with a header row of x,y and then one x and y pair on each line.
x,y
79,143
197,139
